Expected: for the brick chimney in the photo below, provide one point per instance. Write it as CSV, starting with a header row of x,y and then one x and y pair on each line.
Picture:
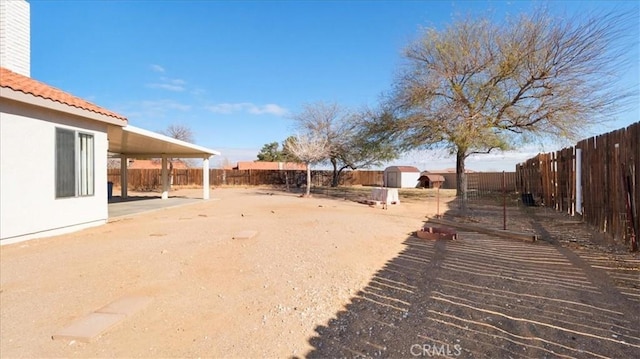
x,y
15,36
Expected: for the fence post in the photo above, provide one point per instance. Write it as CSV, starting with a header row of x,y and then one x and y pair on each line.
x,y
504,202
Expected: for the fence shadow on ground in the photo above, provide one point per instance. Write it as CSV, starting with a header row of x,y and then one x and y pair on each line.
x,y
481,296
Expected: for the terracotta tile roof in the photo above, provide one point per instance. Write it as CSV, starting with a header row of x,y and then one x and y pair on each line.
x,y
449,170
30,86
156,164
263,165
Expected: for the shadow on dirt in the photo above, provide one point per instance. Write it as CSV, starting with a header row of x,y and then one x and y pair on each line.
x,y
481,296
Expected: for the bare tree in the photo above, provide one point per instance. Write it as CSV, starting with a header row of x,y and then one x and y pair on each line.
x,y
477,86
113,163
309,150
348,144
182,133
179,132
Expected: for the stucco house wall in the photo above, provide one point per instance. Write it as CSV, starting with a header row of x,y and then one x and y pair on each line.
x,y
27,174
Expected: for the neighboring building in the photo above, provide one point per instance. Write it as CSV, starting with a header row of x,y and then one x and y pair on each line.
x,y
155,164
262,165
53,146
450,170
401,177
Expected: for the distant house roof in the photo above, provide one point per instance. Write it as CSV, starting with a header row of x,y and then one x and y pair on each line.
x,y
29,86
155,164
262,165
449,170
402,169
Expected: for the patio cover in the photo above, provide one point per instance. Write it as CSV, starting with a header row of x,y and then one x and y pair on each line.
x,y
133,142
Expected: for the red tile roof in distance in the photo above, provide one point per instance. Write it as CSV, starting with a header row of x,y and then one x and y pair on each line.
x,y
30,86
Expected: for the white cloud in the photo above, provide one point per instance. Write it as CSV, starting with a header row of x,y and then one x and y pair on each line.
x,y
248,107
164,105
270,108
168,87
176,85
157,68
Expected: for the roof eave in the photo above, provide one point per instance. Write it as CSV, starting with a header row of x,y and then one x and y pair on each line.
x,y
19,96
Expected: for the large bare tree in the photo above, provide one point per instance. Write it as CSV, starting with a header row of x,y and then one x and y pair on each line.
x,y
309,149
478,86
348,143
179,132
182,133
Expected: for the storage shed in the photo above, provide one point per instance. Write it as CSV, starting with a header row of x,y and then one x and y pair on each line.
x,y
401,177
429,180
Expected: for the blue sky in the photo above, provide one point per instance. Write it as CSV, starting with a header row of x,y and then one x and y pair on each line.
x,y
234,71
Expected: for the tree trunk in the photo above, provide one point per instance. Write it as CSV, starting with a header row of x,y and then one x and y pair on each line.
x,y
286,179
308,180
461,180
335,180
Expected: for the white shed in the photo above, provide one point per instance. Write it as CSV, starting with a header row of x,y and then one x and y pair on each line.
x,y
401,177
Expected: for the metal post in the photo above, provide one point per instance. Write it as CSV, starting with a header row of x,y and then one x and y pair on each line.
x,y
438,202
205,178
578,203
124,180
504,202
165,180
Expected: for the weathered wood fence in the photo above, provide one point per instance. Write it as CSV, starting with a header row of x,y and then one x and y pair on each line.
x,y
598,178
482,181
148,179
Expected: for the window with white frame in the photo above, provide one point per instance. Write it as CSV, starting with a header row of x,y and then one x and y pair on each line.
x,y
75,159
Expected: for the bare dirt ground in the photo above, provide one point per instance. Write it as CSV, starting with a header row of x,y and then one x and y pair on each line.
x,y
325,277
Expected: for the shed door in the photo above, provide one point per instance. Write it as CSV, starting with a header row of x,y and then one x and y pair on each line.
x,y
392,180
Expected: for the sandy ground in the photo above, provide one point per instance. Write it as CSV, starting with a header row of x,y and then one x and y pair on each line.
x,y
324,277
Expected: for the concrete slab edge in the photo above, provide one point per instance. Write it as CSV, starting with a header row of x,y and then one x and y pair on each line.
x,y
99,321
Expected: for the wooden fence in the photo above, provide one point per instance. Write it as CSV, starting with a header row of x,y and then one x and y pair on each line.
x,y
148,179
482,182
598,178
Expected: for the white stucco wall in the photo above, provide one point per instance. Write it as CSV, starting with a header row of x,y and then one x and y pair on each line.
x,y
28,204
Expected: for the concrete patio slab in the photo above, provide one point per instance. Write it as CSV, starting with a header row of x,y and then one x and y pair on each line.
x,y
126,306
146,204
89,327
245,235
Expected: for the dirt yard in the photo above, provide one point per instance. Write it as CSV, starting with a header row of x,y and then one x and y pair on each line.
x,y
324,277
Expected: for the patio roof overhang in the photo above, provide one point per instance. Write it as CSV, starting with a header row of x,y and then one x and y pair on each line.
x,y
135,142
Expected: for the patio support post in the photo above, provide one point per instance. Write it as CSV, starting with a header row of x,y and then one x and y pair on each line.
x,y
124,181
205,178
165,180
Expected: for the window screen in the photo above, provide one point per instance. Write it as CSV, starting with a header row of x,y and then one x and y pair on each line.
x,y
65,163
75,164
